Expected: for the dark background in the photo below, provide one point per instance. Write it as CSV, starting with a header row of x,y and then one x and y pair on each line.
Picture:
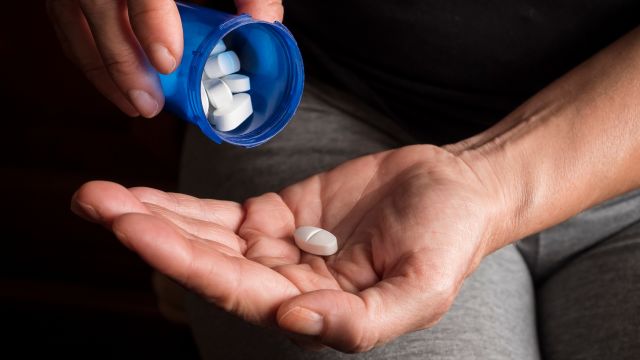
x,y
68,287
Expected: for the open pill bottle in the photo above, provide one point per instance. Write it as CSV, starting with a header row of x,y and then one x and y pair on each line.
x,y
268,54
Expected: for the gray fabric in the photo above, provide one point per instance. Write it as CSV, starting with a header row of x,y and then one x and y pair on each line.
x,y
318,138
494,317
547,251
590,308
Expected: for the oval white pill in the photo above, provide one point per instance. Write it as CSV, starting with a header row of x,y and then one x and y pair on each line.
x,y
222,64
315,240
218,92
219,48
304,233
237,82
230,117
205,99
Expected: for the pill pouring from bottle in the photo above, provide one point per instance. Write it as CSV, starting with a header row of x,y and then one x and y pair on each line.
x,y
224,97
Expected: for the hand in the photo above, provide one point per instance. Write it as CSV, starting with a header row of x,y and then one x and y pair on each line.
x,y
116,43
411,223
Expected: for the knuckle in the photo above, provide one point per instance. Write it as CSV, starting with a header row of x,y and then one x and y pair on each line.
x,y
443,292
443,287
123,66
443,297
366,340
441,284
363,337
89,68
362,345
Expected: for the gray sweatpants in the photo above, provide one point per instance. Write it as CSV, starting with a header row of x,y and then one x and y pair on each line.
x,y
570,292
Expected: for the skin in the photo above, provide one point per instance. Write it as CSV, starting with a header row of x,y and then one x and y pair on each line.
x,y
118,43
402,245
412,223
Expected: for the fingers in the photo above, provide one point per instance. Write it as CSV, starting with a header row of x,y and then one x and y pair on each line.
x,y
211,268
103,201
158,28
238,285
268,229
309,275
122,55
410,300
205,230
77,42
266,10
225,213
153,239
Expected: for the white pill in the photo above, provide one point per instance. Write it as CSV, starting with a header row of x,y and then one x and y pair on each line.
x,y
219,48
315,240
230,117
222,64
218,93
205,99
237,82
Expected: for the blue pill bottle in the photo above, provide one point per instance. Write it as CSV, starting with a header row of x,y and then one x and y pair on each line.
x,y
268,54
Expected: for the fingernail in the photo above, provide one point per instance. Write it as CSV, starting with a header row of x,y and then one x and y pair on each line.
x,y
302,321
146,105
162,57
85,211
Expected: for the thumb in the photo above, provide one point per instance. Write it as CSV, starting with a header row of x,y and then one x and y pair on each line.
x,y
359,322
158,27
266,10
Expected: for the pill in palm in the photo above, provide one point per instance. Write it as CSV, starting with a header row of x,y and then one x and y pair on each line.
x,y
222,64
218,92
315,240
237,82
230,117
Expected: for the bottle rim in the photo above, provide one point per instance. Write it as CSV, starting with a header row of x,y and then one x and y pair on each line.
x,y
293,92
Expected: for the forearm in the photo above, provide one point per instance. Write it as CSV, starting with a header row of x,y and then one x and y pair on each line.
x,y
571,146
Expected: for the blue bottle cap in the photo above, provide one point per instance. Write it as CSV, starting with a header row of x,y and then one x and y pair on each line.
x,y
268,54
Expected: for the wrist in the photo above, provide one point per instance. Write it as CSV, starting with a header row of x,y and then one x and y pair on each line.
x,y
539,175
570,147
506,203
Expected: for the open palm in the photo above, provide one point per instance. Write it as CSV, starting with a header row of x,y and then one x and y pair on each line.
x,y
411,225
